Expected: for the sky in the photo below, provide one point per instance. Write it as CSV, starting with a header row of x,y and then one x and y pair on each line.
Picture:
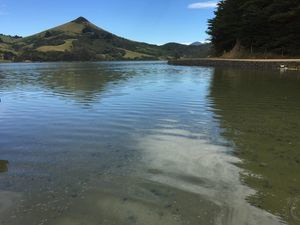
x,y
151,21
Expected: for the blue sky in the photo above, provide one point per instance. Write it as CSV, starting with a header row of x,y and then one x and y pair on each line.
x,y
152,21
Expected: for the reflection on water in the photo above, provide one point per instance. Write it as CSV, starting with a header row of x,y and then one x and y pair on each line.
x,y
260,113
192,164
143,143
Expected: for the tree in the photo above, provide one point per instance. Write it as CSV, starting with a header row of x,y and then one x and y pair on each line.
x,y
259,25
48,34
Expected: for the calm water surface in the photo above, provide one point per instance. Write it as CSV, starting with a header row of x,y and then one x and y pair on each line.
x,y
147,143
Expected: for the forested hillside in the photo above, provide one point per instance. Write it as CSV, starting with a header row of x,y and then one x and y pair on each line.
x,y
262,27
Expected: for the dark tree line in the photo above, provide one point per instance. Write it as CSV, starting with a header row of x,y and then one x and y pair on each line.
x,y
15,36
260,26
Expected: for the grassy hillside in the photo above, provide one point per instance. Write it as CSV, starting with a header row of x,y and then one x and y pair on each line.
x,y
6,49
82,40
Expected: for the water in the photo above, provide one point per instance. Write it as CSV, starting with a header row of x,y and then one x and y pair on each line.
x,y
148,143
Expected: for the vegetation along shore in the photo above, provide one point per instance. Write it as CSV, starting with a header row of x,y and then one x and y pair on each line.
x,y
283,64
253,34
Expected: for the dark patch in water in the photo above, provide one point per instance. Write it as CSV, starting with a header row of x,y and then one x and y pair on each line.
x,y
3,166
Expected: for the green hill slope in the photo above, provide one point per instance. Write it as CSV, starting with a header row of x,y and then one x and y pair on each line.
x,y
80,40
6,50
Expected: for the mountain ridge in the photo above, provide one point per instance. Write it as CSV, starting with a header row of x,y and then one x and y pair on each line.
x,y
81,40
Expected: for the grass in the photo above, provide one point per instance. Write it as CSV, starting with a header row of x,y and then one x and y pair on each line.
x,y
67,46
133,55
7,39
71,28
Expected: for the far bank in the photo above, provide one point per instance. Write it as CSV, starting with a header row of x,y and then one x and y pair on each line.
x,y
285,64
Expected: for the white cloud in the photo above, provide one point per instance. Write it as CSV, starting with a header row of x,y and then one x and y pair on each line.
x,y
186,43
203,5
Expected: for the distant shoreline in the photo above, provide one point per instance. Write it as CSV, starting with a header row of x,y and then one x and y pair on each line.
x,y
76,61
286,64
84,61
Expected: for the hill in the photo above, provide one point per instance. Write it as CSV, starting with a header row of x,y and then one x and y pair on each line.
x,y
256,28
6,50
197,43
80,40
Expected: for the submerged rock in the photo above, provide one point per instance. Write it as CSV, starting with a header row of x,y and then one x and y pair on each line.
x,y
3,166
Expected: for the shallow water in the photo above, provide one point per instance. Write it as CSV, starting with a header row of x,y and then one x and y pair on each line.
x,y
148,143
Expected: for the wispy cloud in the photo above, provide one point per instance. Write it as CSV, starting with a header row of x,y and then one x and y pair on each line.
x,y
203,5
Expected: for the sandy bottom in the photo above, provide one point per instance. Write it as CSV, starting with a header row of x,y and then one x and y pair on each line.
x,y
177,178
8,200
138,202
188,162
